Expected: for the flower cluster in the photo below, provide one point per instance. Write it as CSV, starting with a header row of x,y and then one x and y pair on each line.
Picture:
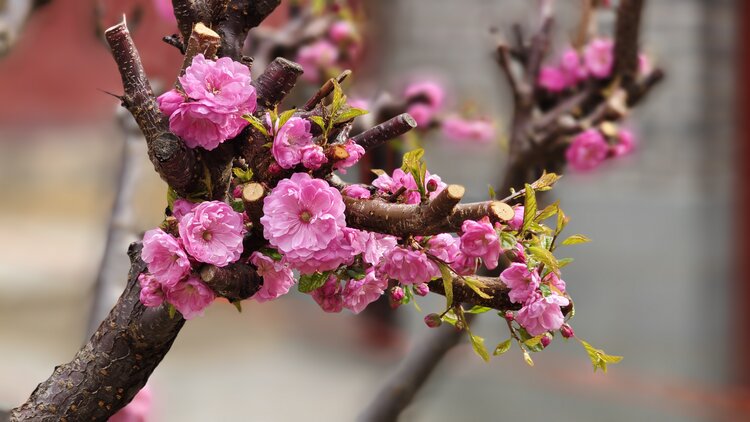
x,y
590,148
207,108
402,181
209,233
595,62
339,47
460,129
424,99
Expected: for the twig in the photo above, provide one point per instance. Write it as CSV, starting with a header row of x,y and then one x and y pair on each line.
x,y
325,90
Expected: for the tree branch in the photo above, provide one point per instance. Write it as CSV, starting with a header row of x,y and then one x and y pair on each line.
x,y
174,162
275,82
113,366
239,18
626,41
390,129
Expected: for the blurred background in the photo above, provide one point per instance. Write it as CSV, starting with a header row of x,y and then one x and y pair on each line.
x,y
657,285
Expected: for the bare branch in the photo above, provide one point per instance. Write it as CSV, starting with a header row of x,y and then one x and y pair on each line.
x,y
626,40
275,83
174,162
385,131
325,90
234,282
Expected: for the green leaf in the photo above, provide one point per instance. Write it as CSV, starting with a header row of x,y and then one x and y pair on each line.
x,y
349,114
562,221
285,116
238,206
271,253
545,290
529,210
544,256
548,212
171,197
476,309
491,191
450,318
355,273
564,262
445,272
257,124
339,99
599,359
310,282
545,182
576,239
527,358
507,241
318,121
478,344
243,176
502,347
171,310
534,341
412,163
476,285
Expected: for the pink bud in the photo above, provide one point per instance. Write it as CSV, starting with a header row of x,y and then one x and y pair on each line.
x,y
545,341
237,192
433,320
432,185
567,331
421,289
274,169
397,294
509,316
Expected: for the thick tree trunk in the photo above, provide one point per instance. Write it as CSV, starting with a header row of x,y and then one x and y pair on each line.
x,y
113,366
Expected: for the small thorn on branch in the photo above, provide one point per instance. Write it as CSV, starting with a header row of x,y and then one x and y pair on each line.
x,y
325,90
385,131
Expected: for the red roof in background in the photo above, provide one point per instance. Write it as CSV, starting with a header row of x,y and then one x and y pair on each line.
x,y
55,72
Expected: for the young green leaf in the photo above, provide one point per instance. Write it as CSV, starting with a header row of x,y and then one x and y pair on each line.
x,y
529,210
478,344
445,272
243,176
256,123
527,358
548,212
171,197
564,262
319,121
544,256
237,304
349,114
491,191
171,310
476,285
310,282
476,309
502,347
285,116
599,359
576,239
545,182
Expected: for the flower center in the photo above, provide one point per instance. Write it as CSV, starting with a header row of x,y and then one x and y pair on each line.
x,y
207,236
305,216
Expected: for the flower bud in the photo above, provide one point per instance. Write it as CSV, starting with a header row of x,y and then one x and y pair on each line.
x,y
545,341
509,316
274,169
433,320
567,331
397,294
432,185
237,191
421,289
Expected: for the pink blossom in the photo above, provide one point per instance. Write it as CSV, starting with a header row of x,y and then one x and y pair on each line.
x,y
237,191
552,79
444,246
212,233
182,207
290,141
480,240
599,57
408,266
328,296
316,56
356,191
517,221
570,64
587,150
625,143
359,293
422,114
138,409
151,294
201,126
464,264
341,250
313,157
360,103
342,31
478,130
190,297
277,277
644,65
555,281
223,84
376,247
428,92
170,101
221,94
164,256
355,152
521,282
541,314
302,215
391,184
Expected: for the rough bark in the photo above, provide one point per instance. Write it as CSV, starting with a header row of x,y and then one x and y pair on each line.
x,y
113,366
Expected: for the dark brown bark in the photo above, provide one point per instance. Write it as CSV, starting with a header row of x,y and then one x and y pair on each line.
x,y
276,81
390,129
175,163
113,366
